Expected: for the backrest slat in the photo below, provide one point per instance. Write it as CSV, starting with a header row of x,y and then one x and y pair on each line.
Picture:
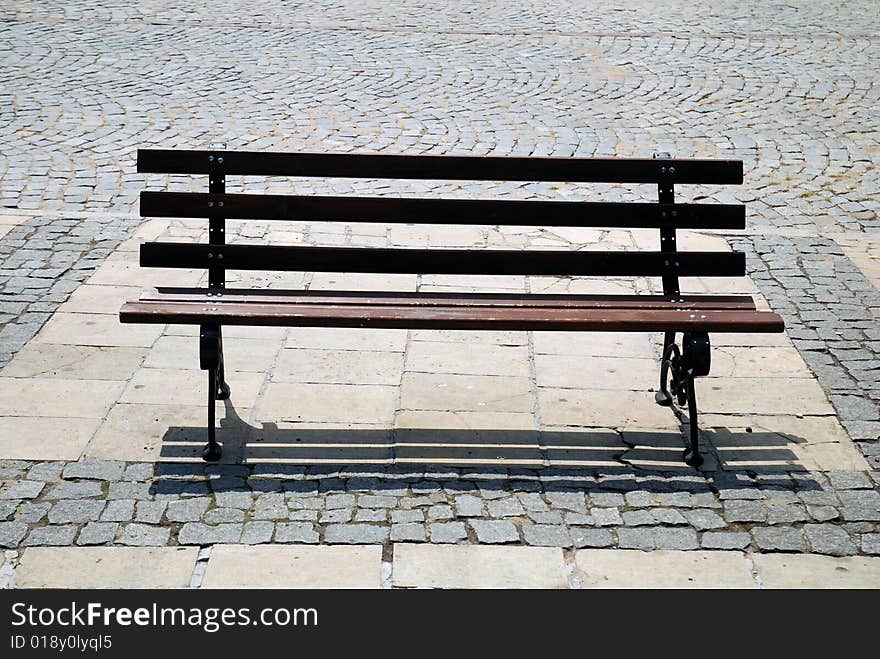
x,y
444,211
442,167
443,261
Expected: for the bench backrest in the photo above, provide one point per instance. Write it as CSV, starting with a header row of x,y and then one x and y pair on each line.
x,y
664,214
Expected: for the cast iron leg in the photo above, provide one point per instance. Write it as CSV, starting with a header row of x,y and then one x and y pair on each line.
x,y
222,386
212,451
662,397
692,453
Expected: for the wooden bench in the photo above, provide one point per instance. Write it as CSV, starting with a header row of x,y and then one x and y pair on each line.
x,y
671,312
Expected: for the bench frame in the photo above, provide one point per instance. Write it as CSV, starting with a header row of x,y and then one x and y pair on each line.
x,y
694,316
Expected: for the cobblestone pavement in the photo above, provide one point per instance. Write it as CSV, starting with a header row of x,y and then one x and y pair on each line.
x,y
790,89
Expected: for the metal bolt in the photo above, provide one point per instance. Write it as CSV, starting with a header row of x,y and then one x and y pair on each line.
x,y
662,213
703,316
210,158
220,203
674,213
210,256
220,256
693,316
220,160
210,204
671,169
662,170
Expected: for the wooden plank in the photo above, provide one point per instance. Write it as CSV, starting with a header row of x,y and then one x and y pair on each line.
x,y
470,318
446,167
443,261
381,298
443,211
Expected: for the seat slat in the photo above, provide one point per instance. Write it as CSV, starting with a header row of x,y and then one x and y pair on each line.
x,y
443,211
444,167
443,261
449,317
384,298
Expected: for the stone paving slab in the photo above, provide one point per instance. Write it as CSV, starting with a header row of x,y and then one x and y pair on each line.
x,y
794,571
600,568
279,566
439,566
106,567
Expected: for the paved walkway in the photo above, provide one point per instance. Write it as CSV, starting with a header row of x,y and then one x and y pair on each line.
x,y
438,440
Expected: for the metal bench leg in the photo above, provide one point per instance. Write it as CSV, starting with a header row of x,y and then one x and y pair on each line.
x,y
662,396
211,360
692,453
696,361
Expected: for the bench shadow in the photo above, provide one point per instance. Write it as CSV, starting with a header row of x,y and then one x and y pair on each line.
x,y
560,459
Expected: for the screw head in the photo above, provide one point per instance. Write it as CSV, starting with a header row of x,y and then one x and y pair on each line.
x,y
671,169
210,158
220,160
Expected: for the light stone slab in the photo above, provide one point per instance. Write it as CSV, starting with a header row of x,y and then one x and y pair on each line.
x,y
93,329
335,338
569,372
100,298
762,396
603,408
594,344
123,269
56,397
166,386
429,391
467,358
331,281
813,571
336,403
757,362
339,367
242,355
624,568
106,567
583,285
232,332
287,566
469,338
146,433
476,566
45,438
320,443
48,360
811,442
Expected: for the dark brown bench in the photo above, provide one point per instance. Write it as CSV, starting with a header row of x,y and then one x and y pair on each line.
x,y
695,316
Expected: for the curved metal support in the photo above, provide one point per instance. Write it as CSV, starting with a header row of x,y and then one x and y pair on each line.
x,y
211,360
662,397
681,367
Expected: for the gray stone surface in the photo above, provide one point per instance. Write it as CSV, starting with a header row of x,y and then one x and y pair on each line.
x,y
447,532
408,532
545,535
195,533
829,539
51,536
255,533
494,531
355,534
102,470
12,533
97,533
144,535
300,532
75,511
779,538
725,540
22,489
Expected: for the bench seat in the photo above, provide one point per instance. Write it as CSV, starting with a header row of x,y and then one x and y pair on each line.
x,y
466,311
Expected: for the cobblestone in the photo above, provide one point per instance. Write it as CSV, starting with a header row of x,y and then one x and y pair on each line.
x,y
447,532
97,533
828,539
494,531
51,536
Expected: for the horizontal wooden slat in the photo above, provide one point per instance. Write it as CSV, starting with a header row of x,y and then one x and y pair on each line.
x,y
443,211
469,318
443,261
384,298
470,168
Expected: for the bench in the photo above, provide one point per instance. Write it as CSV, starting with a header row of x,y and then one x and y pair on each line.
x,y
694,316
